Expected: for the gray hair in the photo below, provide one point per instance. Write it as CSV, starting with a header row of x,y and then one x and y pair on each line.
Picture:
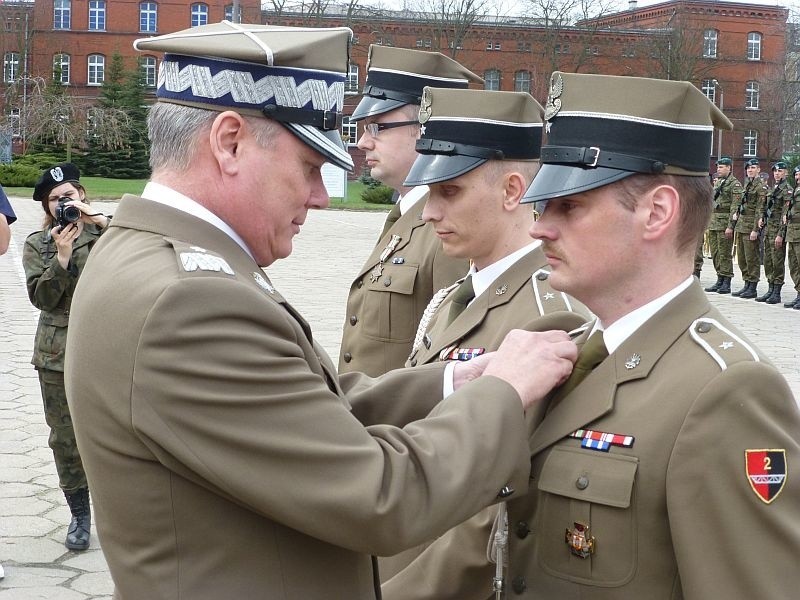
x,y
174,130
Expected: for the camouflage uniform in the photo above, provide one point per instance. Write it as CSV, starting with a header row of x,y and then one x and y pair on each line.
x,y
725,204
50,289
791,239
775,258
747,250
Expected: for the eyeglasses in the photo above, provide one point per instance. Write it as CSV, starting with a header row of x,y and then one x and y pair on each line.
x,y
374,128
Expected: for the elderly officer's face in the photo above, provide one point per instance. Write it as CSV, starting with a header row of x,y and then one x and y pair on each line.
x,y
465,213
281,183
391,152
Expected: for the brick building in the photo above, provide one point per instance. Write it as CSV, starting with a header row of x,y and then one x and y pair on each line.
x,y
736,53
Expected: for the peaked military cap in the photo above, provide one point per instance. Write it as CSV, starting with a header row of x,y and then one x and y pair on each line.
x,y
396,77
462,129
294,75
54,177
779,165
753,162
603,128
725,160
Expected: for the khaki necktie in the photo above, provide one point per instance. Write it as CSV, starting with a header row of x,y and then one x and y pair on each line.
x,y
462,296
391,219
592,353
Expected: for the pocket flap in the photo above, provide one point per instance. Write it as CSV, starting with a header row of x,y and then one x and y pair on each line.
x,y
394,278
589,476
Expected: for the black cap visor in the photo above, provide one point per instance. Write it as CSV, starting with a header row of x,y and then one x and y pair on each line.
x,y
556,181
327,143
435,168
371,107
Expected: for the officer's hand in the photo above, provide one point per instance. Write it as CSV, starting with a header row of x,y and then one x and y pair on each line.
x,y
88,214
533,362
778,242
466,371
753,236
729,233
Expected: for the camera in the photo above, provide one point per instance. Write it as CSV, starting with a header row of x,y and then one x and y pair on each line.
x,y
66,214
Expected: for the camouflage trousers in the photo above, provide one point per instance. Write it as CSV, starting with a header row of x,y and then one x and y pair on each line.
x,y
71,476
774,258
793,251
698,257
721,249
747,253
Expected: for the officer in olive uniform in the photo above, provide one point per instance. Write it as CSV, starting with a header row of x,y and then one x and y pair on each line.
x,y
770,221
789,235
407,265
490,165
54,259
667,469
727,196
744,225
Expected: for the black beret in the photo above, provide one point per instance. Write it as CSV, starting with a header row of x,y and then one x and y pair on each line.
x,y
753,162
53,177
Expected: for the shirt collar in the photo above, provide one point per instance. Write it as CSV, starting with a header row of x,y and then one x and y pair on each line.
x,y
162,194
413,196
482,279
615,334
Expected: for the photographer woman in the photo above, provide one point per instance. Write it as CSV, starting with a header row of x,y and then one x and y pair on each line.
x,y
53,260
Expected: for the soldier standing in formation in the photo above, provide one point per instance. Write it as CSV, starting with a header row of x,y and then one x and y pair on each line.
x,y
727,196
668,471
477,176
407,265
744,224
789,236
54,260
770,221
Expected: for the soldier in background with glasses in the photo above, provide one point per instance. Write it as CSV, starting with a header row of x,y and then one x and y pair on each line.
x,y
407,265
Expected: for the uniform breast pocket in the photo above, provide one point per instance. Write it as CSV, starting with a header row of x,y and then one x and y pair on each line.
x,y
587,518
391,311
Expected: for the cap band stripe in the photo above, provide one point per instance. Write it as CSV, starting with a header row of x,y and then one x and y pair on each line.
x,y
456,81
686,149
247,85
520,141
632,119
486,121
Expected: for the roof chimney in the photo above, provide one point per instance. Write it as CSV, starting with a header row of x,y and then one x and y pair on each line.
x,y
632,4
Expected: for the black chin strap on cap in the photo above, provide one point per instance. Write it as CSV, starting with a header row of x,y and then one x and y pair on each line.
x,y
592,157
380,93
430,146
326,120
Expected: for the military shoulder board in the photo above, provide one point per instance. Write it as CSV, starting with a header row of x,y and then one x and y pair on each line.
x,y
194,259
548,300
722,344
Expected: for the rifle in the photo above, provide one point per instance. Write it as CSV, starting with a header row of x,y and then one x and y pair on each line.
x,y
717,192
742,205
769,205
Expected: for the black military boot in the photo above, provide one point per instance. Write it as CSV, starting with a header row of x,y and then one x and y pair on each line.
x,y
715,287
751,291
697,273
775,298
791,303
767,294
725,286
80,526
743,289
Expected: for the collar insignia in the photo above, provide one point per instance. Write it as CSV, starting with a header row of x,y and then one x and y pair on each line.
x,y
633,362
263,283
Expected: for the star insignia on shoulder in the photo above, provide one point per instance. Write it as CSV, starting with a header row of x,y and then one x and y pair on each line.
x,y
549,296
726,345
422,129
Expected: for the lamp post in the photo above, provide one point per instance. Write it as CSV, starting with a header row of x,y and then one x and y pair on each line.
x,y
721,107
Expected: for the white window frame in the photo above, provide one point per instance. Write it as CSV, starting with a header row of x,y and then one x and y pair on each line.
x,y
752,95
149,66
351,86
198,14
754,45
62,60
229,12
96,71
710,43
750,146
710,90
10,67
97,15
522,81
62,14
491,78
349,131
148,15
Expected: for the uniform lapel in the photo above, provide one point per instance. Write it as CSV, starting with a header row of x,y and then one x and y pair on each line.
x,y
634,359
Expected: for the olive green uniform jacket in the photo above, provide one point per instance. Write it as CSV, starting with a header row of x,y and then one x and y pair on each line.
x,y
674,515
383,310
751,207
775,258
726,202
455,567
50,289
223,456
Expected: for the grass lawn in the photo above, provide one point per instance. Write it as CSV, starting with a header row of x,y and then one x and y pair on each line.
x,y
100,188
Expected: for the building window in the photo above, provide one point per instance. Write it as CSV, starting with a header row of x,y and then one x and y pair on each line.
x,y
10,66
592,50
709,89
561,49
492,45
750,142
61,68
229,13
751,95
710,43
753,46
14,122
97,15
384,41
62,10
522,81
523,46
349,131
199,14
148,66
457,46
491,79
352,80
148,17
629,51
97,69
424,42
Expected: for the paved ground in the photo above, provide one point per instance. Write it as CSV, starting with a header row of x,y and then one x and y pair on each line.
x,y
333,244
